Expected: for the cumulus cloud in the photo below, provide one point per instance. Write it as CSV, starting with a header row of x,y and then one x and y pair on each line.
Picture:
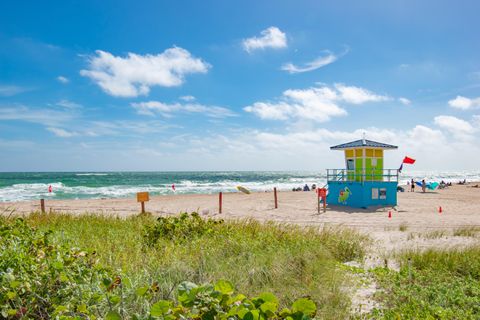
x,y
135,74
464,103
310,66
151,108
357,95
62,133
63,79
318,104
269,38
458,127
404,101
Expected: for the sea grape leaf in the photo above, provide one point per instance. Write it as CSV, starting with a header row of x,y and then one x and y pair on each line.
x,y
225,287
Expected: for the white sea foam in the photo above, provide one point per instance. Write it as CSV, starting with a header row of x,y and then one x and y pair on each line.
x,y
35,191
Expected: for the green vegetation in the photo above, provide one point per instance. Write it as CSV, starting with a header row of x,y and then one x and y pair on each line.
x,y
434,284
146,268
436,234
466,232
403,227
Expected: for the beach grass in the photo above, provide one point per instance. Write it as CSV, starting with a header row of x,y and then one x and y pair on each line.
x,y
431,284
466,232
289,261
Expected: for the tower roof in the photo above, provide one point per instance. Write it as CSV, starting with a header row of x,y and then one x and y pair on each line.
x,y
363,143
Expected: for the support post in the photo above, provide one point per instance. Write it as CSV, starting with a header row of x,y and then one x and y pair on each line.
x,y
275,196
220,196
318,202
42,205
143,207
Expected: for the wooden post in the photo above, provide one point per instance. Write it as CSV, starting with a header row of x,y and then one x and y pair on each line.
x,y
275,196
318,202
220,202
143,207
42,205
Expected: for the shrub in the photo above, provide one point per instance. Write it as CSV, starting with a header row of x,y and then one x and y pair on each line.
x,y
181,228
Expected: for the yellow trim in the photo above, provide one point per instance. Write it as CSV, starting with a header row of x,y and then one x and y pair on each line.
x,y
359,153
369,153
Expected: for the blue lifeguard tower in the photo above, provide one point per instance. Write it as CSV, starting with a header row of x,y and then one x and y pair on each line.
x,y
364,182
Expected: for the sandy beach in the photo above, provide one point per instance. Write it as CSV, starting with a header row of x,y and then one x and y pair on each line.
x,y
419,211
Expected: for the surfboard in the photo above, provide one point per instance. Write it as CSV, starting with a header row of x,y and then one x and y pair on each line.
x,y
243,189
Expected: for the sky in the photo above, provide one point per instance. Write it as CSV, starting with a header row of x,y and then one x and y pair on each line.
x,y
236,85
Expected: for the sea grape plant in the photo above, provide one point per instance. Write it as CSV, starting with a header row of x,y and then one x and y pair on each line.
x,y
42,277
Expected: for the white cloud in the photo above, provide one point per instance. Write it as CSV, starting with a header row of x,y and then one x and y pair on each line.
x,y
357,95
68,104
7,91
135,74
63,79
62,133
187,98
404,101
151,108
318,104
310,66
464,103
269,38
458,127
47,117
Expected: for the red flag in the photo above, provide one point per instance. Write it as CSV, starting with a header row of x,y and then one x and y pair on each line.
x,y
408,160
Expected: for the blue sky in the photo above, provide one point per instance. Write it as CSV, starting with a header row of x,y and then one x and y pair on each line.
x,y
223,85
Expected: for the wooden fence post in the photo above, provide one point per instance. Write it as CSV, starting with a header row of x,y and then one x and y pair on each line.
x,y
275,196
220,196
42,205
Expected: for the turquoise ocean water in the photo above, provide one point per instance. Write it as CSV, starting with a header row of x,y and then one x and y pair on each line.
x,y
18,186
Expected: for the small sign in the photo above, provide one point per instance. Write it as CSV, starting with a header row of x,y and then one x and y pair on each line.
x,y
374,193
322,193
143,197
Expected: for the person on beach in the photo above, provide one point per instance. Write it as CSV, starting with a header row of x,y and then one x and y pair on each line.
x,y
424,185
306,188
412,185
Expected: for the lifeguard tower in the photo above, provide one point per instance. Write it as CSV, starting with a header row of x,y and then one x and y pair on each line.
x,y
364,182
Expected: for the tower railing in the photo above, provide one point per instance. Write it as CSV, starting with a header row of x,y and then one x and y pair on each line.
x,y
390,175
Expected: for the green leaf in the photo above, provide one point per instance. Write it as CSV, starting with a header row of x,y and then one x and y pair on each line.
x,y
141,291
11,295
225,287
252,315
160,308
57,265
14,284
82,308
113,315
186,287
115,299
305,306
269,307
268,297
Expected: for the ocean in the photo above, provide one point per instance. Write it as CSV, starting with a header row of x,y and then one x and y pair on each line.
x,y
19,186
